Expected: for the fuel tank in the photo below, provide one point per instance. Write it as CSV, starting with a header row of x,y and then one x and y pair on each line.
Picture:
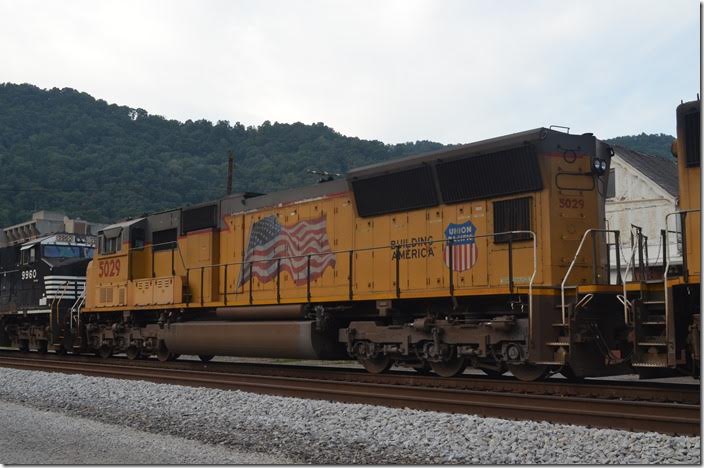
x,y
269,339
264,312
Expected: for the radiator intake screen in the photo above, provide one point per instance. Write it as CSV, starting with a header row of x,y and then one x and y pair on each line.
x,y
202,217
512,215
490,175
164,240
401,191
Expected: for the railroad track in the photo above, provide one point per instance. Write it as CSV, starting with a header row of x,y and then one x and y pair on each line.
x,y
637,406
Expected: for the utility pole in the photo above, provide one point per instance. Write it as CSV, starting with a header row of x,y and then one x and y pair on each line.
x,y
230,164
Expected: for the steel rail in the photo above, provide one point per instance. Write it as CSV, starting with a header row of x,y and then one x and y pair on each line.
x,y
675,418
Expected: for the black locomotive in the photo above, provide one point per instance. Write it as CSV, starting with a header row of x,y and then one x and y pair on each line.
x,y
44,277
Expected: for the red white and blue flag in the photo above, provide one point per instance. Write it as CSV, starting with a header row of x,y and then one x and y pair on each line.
x,y
460,241
269,241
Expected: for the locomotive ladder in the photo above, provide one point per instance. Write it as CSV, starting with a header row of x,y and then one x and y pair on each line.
x,y
567,310
652,312
55,316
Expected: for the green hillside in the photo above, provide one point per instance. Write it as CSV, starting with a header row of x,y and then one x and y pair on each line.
x,y
63,150
657,144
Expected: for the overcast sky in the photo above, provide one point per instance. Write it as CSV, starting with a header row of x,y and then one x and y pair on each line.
x,y
448,71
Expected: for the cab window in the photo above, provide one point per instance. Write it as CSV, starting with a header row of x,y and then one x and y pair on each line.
x,y
29,256
110,245
61,251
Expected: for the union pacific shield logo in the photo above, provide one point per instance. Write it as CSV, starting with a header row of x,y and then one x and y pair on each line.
x,y
464,247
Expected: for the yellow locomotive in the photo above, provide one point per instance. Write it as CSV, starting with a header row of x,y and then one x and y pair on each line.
x,y
435,261
493,255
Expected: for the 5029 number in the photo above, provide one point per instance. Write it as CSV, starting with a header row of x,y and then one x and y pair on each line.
x,y
574,203
109,268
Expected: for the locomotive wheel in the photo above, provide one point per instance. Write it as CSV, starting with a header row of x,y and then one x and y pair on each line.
x,y
42,347
133,353
450,368
423,368
493,373
105,351
163,354
205,357
528,372
23,346
376,365
167,356
569,374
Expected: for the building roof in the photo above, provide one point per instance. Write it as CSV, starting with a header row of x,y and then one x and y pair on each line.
x,y
660,170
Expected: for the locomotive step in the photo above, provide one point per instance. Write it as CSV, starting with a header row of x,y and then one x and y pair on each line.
x,y
558,343
650,303
652,343
653,323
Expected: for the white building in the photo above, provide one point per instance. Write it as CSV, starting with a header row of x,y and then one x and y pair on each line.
x,y
43,223
643,189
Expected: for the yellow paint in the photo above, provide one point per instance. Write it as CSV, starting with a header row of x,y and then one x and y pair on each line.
x,y
205,268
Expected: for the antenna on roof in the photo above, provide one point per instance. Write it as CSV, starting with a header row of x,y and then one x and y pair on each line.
x,y
325,175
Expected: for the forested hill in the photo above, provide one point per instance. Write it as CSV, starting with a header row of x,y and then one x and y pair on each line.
x,y
63,150
657,144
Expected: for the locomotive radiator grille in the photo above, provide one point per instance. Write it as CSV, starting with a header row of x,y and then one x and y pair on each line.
x,y
64,287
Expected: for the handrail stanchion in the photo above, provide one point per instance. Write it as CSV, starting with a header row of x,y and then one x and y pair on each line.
x,y
595,276
224,288
451,262
510,264
617,251
398,270
625,283
188,286
569,270
349,277
685,264
663,235
202,293
308,279
251,283
278,280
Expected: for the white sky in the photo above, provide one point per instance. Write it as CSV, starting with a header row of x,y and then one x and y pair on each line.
x,y
448,71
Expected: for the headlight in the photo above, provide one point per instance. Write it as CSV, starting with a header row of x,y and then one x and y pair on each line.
x,y
599,166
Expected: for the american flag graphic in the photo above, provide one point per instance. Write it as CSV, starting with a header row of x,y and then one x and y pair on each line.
x,y
463,246
269,240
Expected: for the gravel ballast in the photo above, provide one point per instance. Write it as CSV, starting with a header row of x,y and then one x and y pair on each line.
x,y
33,436
322,432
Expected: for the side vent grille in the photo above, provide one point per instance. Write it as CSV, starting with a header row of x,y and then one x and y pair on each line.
x,y
512,215
202,217
490,175
389,193
106,295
